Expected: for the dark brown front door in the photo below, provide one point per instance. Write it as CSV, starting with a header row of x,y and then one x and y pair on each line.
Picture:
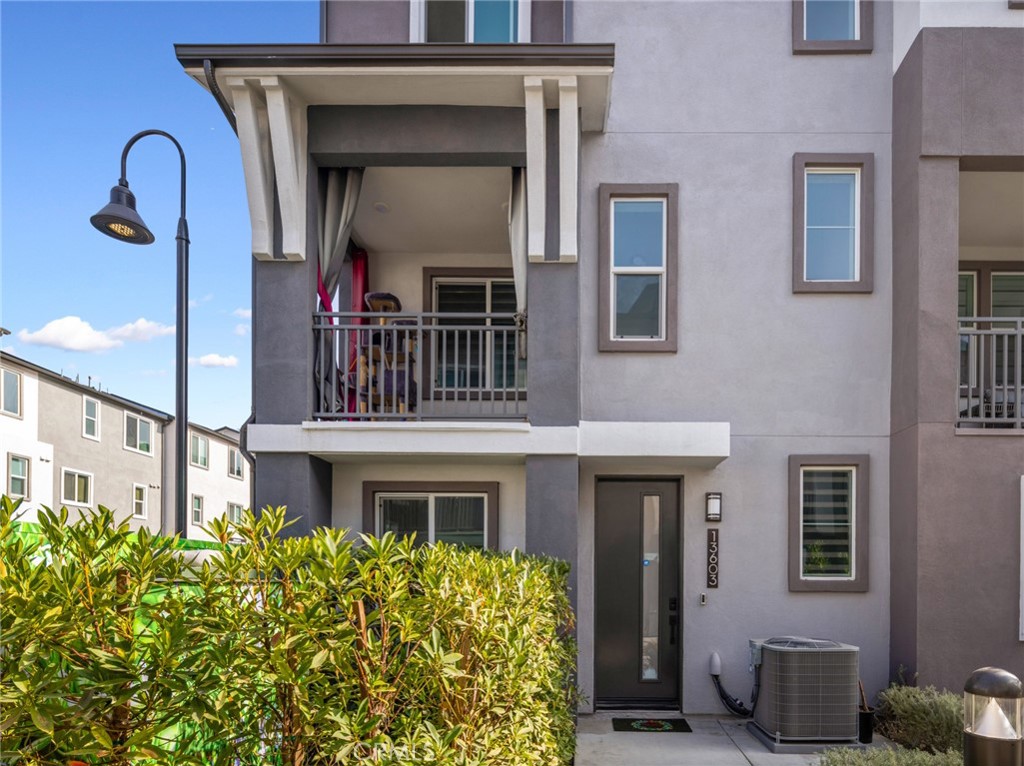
x,y
637,629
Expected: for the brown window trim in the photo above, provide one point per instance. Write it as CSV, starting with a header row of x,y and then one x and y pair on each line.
x,y
859,583
865,44
490,488
606,192
1016,5
430,273
866,163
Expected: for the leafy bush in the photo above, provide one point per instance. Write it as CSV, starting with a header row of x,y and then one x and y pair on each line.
x,y
279,650
922,719
885,757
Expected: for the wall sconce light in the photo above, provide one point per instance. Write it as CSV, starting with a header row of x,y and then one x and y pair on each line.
x,y
713,506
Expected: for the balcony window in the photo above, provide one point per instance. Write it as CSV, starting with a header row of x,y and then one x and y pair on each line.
x,y
469,359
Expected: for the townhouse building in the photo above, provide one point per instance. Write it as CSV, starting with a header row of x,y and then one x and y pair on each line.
x,y
68,444
718,301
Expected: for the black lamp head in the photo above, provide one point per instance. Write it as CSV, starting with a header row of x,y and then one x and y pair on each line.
x,y
120,220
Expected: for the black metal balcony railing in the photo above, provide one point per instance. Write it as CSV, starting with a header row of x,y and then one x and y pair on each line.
x,y
991,385
426,366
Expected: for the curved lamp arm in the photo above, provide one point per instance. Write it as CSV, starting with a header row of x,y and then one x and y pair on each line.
x,y
142,134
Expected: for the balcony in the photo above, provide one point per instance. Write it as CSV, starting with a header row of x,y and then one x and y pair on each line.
x,y
991,386
419,366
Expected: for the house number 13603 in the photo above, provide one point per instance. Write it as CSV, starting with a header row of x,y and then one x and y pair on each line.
x,y
713,541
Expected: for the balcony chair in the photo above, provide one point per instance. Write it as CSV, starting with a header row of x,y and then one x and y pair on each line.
x,y
386,365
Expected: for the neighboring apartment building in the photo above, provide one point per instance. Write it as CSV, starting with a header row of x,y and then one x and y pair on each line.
x,y
577,277
69,444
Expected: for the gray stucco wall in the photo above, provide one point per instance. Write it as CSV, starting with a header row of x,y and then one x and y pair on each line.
x,y
114,468
955,498
552,502
364,21
792,374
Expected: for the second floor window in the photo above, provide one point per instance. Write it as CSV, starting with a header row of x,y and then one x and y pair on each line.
x,y
90,418
475,21
10,393
235,467
200,451
138,434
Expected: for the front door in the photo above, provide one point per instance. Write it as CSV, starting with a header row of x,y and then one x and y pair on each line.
x,y
637,633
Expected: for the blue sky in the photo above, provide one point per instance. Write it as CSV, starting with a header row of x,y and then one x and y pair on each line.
x,y
77,80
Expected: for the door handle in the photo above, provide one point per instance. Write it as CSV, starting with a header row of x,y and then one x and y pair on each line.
x,y
673,620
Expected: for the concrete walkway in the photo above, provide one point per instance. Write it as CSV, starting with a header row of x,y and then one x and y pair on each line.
x,y
714,741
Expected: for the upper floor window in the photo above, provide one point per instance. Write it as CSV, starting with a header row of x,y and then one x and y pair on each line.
x,y
90,418
138,434
828,522
235,465
833,236
470,21
833,26
638,270
76,487
10,393
18,480
200,451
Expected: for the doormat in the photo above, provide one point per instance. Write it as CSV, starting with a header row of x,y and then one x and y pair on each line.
x,y
651,724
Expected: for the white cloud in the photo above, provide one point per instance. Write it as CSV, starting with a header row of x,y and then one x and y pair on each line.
x,y
73,333
140,330
214,360
153,373
241,329
194,302
70,333
243,313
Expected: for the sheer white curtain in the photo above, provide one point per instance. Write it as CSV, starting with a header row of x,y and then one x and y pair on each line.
x,y
517,235
339,197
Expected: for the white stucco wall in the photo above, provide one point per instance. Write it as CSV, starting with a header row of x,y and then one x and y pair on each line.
x,y
20,436
511,478
215,485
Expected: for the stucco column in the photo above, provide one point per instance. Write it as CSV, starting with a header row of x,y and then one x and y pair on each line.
x,y
552,506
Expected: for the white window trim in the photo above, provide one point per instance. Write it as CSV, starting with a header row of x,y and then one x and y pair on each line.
x,y
199,439
152,433
839,169
72,501
418,21
145,501
856,23
85,417
241,509
639,271
192,510
28,475
21,394
232,453
853,522
379,498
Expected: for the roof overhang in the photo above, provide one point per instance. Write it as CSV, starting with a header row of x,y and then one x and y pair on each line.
x,y
421,74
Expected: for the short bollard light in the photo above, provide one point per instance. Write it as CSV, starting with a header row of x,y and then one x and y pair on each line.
x,y
993,719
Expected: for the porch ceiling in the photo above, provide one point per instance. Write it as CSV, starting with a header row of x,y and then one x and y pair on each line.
x,y
434,210
992,211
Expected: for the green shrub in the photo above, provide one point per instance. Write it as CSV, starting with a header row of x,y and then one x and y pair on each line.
x,y
885,757
922,719
280,650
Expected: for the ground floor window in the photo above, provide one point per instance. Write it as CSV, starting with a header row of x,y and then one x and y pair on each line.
x,y
197,509
235,513
828,522
463,513
139,500
18,468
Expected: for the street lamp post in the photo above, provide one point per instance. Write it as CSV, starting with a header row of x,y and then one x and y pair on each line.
x,y
120,221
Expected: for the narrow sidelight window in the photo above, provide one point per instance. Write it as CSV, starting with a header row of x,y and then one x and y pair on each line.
x,y
140,496
197,510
